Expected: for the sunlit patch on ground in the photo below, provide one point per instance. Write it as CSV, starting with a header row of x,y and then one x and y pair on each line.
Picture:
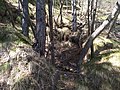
x,y
115,59
109,50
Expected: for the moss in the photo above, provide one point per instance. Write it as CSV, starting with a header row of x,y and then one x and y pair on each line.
x,y
101,41
5,67
10,35
103,71
2,7
7,34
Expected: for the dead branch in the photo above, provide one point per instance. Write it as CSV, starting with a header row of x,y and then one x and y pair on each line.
x,y
89,42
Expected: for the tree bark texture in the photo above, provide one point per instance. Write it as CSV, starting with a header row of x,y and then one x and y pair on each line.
x,y
93,15
32,25
61,8
40,26
74,16
88,20
50,4
25,30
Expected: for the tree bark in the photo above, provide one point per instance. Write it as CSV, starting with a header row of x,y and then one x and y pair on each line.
x,y
40,26
32,25
74,16
25,30
61,8
50,3
112,24
88,17
98,31
93,14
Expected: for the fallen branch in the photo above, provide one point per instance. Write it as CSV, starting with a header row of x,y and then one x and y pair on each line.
x,y
89,42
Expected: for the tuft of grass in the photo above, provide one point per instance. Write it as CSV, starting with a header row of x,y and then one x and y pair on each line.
x,y
100,76
5,67
26,83
103,71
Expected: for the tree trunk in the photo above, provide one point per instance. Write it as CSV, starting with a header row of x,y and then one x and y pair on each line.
x,y
74,16
32,25
40,26
25,30
61,8
112,24
50,3
88,20
89,42
93,14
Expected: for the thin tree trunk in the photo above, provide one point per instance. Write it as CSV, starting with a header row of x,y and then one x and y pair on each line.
x,y
88,17
74,16
40,26
50,4
93,24
112,24
61,7
89,42
32,25
91,9
25,30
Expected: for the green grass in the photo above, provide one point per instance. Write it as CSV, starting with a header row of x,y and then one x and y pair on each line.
x,y
4,67
103,71
10,35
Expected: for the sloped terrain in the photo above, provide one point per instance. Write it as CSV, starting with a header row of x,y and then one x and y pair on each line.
x,y
21,68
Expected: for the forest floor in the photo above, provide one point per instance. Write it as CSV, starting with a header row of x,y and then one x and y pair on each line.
x,y
21,68
19,62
